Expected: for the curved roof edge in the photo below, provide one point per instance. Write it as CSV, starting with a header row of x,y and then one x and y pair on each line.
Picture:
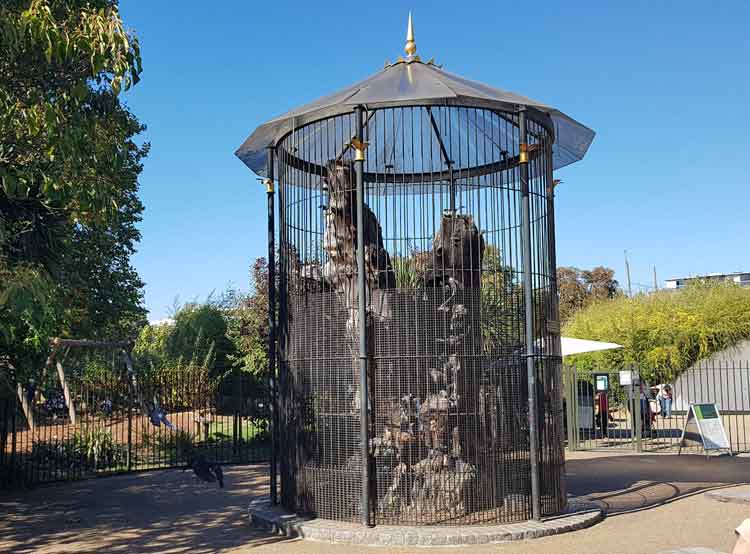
x,y
417,84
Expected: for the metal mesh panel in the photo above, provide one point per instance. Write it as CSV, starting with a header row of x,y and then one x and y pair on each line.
x,y
448,434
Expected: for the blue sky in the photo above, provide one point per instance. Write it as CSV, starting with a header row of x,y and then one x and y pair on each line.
x,y
664,84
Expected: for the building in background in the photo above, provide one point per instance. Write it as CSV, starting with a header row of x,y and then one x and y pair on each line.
x,y
742,279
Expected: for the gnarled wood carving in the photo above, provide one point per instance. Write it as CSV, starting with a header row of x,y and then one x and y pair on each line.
x,y
340,243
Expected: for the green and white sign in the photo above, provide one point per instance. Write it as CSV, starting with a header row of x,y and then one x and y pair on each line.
x,y
704,427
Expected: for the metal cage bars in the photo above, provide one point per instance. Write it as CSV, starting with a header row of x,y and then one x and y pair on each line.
x,y
302,231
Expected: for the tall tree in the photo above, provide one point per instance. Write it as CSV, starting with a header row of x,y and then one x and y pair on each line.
x,y
579,288
68,174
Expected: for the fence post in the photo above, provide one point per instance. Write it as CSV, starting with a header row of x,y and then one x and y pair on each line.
x,y
13,424
635,377
4,438
240,410
130,427
576,415
572,446
235,413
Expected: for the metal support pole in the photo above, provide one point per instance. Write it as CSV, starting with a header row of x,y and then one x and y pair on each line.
x,y
359,161
446,160
536,504
555,312
287,439
451,189
272,322
552,264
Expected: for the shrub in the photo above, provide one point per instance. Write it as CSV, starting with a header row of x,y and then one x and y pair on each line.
x,y
98,449
179,444
409,270
95,449
666,331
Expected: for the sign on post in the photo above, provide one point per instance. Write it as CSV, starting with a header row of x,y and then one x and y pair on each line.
x,y
704,427
626,377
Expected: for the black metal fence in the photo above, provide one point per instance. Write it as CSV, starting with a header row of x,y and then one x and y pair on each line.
x,y
610,409
115,427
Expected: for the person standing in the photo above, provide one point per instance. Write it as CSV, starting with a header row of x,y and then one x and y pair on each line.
x,y
645,408
665,401
602,416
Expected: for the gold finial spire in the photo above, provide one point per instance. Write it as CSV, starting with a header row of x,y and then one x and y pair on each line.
x,y
411,47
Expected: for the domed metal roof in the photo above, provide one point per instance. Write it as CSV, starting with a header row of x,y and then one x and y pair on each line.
x,y
412,82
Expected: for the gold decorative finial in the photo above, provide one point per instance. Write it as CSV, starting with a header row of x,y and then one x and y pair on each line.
x,y
411,47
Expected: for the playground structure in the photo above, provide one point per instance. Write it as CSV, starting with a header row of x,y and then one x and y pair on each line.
x,y
419,368
27,394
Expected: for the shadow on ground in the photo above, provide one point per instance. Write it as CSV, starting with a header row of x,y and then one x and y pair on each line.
x,y
170,512
155,512
621,484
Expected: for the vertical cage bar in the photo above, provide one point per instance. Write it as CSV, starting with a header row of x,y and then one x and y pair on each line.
x,y
285,462
272,319
536,507
362,327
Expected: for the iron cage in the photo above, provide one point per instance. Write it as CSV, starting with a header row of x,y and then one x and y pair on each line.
x,y
412,407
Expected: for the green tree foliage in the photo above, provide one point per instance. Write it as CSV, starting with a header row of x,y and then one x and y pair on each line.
x,y
222,336
230,332
502,305
68,176
196,336
248,324
59,61
580,288
666,331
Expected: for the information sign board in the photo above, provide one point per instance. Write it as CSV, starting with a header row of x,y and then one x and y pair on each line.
x,y
705,427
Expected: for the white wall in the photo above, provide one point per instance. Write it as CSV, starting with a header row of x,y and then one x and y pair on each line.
x,y
723,378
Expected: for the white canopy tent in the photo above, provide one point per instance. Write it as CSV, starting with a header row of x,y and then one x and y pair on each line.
x,y
570,346
585,401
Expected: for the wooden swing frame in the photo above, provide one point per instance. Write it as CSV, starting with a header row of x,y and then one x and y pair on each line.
x,y
57,344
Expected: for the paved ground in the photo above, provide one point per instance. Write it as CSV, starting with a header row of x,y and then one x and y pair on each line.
x,y
653,500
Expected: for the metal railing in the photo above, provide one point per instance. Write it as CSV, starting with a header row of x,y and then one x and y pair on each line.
x,y
619,415
116,428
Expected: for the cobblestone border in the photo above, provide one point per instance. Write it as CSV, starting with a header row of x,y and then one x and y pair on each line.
x,y
579,515
729,495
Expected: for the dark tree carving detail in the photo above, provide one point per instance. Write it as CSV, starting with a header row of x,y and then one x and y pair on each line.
x,y
436,485
340,243
340,271
457,249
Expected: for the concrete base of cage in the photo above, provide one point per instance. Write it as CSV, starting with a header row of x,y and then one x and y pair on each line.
x,y
579,514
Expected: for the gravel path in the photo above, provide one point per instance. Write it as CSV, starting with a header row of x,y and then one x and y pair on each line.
x,y
654,502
